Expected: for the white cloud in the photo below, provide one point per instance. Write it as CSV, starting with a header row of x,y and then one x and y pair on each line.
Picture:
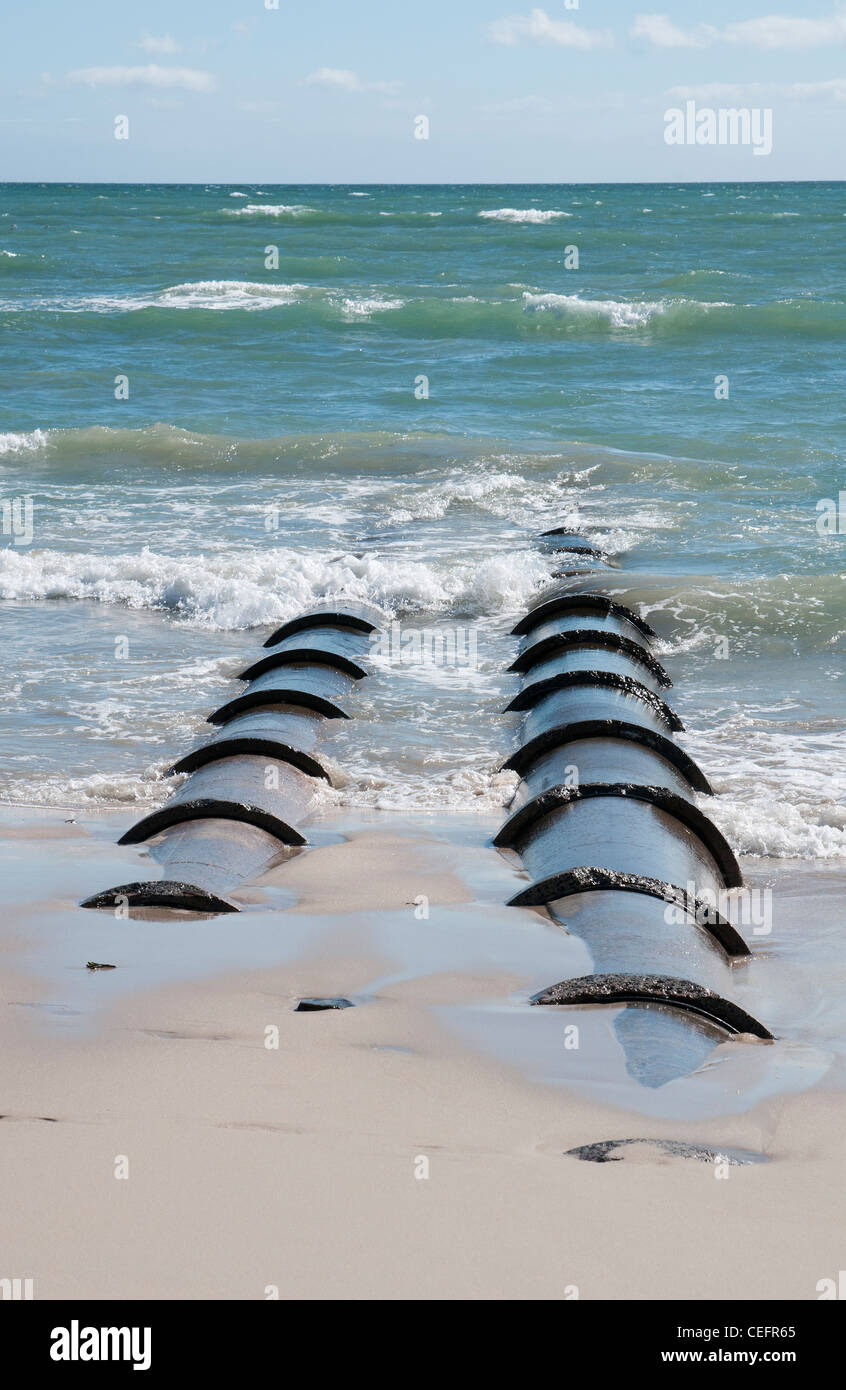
x,y
540,28
835,88
660,30
769,32
165,44
188,79
746,93
781,31
342,79
735,93
516,105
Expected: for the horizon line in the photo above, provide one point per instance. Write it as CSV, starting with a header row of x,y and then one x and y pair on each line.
x,y
390,183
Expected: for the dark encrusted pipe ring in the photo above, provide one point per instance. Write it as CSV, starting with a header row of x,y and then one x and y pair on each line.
x,y
300,656
211,808
518,825
655,989
268,747
589,637
595,880
532,694
306,699
609,728
565,603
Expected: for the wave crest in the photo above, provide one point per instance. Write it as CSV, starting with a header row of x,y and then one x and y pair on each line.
x,y
523,215
241,589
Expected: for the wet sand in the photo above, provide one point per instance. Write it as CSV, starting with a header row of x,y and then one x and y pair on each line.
x,y
298,1167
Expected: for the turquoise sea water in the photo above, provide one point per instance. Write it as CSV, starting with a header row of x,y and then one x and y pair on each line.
x,y
279,444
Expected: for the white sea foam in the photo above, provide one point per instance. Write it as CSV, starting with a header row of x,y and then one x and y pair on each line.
x,y
145,790
194,294
270,210
781,824
618,313
228,294
363,308
781,791
23,443
456,789
428,501
244,589
522,215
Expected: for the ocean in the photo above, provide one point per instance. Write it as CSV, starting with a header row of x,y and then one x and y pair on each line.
x,y
222,404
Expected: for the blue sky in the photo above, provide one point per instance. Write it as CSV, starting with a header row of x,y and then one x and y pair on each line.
x,y
230,90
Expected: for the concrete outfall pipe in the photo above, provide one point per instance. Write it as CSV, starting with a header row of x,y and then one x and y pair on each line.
x,y
251,787
605,823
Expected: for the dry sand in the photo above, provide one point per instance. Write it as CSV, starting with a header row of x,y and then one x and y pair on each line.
x,y
256,1168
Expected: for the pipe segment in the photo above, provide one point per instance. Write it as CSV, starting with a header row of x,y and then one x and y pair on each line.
x,y
570,605
580,639
575,548
353,616
604,821
276,731
561,732
250,788
607,759
313,687
345,648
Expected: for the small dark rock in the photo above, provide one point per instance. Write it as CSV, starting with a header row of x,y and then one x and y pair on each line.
x,y
310,1006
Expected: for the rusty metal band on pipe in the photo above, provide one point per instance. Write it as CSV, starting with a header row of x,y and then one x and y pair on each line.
x,y
576,548
580,698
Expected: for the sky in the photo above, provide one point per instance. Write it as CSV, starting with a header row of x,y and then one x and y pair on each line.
x,y
331,91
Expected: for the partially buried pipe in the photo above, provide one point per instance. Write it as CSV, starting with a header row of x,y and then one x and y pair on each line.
x,y
604,821
252,786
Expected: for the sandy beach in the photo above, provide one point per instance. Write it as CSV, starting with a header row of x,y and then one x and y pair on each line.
x,y
422,748
297,1169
